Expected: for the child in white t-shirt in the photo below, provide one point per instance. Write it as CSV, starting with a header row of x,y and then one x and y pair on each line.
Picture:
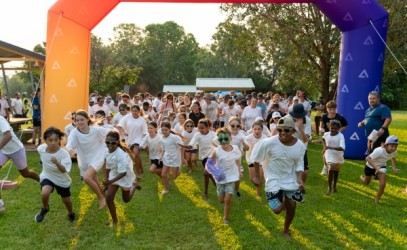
x,y
227,157
152,141
334,145
188,131
56,165
118,172
376,164
171,155
203,139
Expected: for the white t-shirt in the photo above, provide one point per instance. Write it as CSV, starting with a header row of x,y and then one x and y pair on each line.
x,y
135,128
210,110
251,140
266,131
50,171
154,146
380,157
204,142
157,104
188,135
17,105
280,163
91,149
250,114
227,162
14,144
172,151
229,113
221,106
96,108
334,156
120,162
116,118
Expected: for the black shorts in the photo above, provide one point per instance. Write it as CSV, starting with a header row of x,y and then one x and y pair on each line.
x,y
63,192
371,171
36,122
191,151
157,162
306,160
251,165
204,162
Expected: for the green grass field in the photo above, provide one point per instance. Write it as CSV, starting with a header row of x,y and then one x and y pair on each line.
x,y
348,219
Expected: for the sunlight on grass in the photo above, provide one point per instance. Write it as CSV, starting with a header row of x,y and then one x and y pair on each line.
x,y
159,187
128,226
341,237
360,189
257,225
224,234
383,230
85,201
249,190
351,228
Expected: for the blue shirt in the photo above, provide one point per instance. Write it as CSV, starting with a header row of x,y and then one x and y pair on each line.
x,y
374,118
36,108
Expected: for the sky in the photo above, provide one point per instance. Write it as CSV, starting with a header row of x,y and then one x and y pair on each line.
x,y
24,22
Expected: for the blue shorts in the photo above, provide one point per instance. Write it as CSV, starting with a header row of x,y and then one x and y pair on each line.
x,y
276,200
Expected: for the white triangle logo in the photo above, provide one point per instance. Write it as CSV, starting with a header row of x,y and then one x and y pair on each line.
x,y
385,23
381,57
348,17
72,83
348,57
56,65
363,74
53,99
377,89
354,137
331,1
58,32
68,116
366,2
368,41
75,50
359,106
345,89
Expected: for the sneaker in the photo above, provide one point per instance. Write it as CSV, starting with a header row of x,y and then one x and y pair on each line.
x,y
238,194
297,197
324,171
137,185
165,192
71,217
40,216
2,207
226,222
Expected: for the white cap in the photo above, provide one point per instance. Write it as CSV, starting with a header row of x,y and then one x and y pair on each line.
x,y
275,115
258,118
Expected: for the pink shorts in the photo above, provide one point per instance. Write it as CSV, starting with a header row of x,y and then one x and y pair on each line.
x,y
19,159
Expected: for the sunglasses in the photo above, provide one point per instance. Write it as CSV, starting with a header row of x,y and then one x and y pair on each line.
x,y
113,143
122,109
197,97
189,126
235,126
286,130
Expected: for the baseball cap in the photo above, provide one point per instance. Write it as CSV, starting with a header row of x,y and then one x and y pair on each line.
x,y
286,121
298,111
275,115
258,118
296,98
392,140
207,96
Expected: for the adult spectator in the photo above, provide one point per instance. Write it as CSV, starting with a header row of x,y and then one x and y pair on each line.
x,y
250,113
377,117
17,106
4,107
100,105
283,175
210,108
36,107
304,102
261,104
157,102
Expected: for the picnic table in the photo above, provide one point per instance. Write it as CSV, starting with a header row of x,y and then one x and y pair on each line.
x,y
16,123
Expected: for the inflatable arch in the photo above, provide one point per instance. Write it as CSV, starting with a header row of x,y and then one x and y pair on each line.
x,y
361,62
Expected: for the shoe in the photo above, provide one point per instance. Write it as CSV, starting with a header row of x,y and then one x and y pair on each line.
x,y
324,171
71,217
165,192
226,222
297,197
238,194
40,216
137,185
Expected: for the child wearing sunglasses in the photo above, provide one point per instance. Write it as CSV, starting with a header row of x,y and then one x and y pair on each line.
x,y
227,157
118,172
204,139
188,131
334,146
56,165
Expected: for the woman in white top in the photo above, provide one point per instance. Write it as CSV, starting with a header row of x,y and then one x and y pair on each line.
x,y
56,165
89,143
229,111
134,127
118,172
171,155
250,113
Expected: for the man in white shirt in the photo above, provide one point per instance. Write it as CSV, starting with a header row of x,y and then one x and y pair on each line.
x,y
281,158
17,106
157,102
210,108
100,105
4,107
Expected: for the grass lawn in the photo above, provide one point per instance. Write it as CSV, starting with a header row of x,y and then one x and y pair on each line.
x,y
348,219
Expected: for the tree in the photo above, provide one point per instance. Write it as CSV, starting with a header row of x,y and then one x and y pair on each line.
x,y
297,39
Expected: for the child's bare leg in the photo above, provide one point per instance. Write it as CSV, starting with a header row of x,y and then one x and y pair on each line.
x,y
110,194
227,207
91,179
336,175
165,180
68,204
45,193
330,179
382,186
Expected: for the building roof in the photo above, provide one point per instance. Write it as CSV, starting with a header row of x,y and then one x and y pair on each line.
x,y
214,84
10,53
179,88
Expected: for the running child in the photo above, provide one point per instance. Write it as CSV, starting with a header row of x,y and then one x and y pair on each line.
x,y
118,172
56,165
171,155
376,164
152,141
189,130
204,139
251,139
334,146
227,157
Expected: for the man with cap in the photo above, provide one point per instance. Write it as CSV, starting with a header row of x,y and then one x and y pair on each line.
x,y
303,132
210,108
281,158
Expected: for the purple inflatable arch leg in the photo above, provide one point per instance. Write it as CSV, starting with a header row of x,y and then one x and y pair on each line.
x,y
361,62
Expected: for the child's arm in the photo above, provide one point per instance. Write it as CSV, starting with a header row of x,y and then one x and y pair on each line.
x,y
58,164
238,168
393,164
245,145
372,163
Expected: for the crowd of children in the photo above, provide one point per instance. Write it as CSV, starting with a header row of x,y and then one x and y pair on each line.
x,y
178,132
